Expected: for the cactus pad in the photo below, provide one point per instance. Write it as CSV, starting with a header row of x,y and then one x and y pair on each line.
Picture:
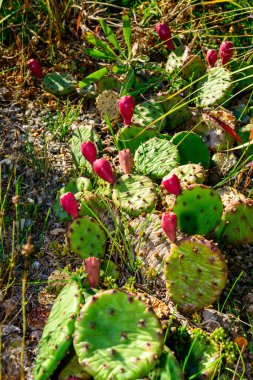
x,y
189,174
59,84
134,194
198,209
73,369
132,137
196,273
86,237
179,115
191,148
74,186
167,369
147,112
107,103
215,89
156,158
237,223
57,334
81,134
117,336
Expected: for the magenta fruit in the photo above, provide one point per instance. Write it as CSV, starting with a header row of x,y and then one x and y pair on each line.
x,y
89,151
226,51
69,204
35,67
92,270
169,225
126,161
164,33
126,108
211,57
103,169
172,184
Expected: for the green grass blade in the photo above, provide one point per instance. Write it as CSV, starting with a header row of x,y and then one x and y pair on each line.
x,y
98,54
98,43
109,34
93,77
128,82
127,32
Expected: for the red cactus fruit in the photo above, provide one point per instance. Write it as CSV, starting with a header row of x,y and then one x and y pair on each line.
x,y
211,57
169,225
126,108
103,169
89,151
92,270
126,161
172,184
72,378
226,51
164,33
35,67
69,204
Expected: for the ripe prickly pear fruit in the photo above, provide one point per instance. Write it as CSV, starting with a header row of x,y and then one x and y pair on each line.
x,y
92,270
126,108
226,51
172,184
73,378
164,33
35,67
211,57
126,161
69,204
169,225
89,151
103,169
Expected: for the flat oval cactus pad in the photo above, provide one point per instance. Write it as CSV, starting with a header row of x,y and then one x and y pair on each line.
x,y
117,337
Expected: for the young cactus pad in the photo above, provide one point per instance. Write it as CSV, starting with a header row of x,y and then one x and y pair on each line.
x,y
132,137
156,158
74,186
191,148
134,194
237,223
117,337
86,237
73,369
198,209
215,89
59,84
57,334
196,273
147,112
81,134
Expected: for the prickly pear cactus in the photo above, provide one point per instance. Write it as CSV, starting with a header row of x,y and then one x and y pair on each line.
x,y
198,209
108,82
107,103
81,134
86,237
215,89
189,65
134,194
132,137
189,174
73,369
179,115
196,273
167,369
74,186
59,83
192,148
117,336
147,112
57,334
156,158
236,225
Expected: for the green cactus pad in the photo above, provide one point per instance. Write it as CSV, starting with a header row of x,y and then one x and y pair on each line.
x,y
192,148
156,158
86,237
147,112
73,369
131,137
236,225
57,334
81,134
189,174
190,66
117,337
167,368
177,117
196,273
198,209
215,89
108,82
59,84
74,186
134,194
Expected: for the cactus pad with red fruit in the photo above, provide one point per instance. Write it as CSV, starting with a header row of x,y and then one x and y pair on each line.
x,y
103,169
